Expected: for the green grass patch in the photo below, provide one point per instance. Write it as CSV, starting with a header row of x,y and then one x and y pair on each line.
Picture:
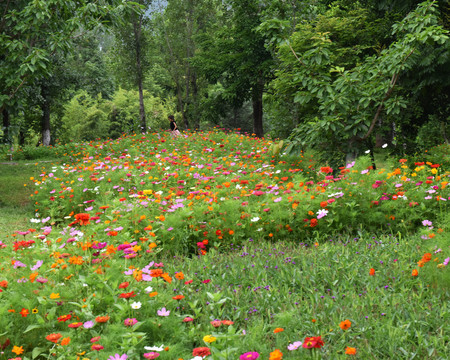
x,y
16,206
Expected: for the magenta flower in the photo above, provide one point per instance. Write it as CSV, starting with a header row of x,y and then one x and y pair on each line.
x,y
130,322
249,356
151,355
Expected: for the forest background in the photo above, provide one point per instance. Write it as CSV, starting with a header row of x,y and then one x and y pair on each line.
x,y
337,76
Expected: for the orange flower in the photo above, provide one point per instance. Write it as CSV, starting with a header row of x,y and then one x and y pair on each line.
x,y
166,277
53,337
179,275
372,272
17,350
54,296
156,272
178,297
350,350
65,341
415,273
344,325
276,355
4,284
82,219
102,319
323,204
153,294
277,330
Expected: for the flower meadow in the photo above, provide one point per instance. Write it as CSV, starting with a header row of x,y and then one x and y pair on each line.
x,y
213,246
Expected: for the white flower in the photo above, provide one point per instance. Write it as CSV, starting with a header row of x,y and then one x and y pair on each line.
x,y
321,213
255,219
136,305
367,151
384,146
155,348
148,289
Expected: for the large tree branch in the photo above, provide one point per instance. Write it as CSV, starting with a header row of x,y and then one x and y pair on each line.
x,y
386,97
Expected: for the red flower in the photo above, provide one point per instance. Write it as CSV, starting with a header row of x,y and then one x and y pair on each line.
x,y
313,222
53,337
64,318
313,342
372,272
124,285
127,295
97,347
24,312
201,351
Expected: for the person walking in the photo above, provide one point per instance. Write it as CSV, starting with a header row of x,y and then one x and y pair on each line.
x,y
173,127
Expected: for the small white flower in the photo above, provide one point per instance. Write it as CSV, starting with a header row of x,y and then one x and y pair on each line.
x,y
136,305
255,219
155,348
384,146
148,289
367,151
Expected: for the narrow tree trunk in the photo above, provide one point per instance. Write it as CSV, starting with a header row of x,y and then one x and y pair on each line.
x,y
6,124
45,107
137,26
257,103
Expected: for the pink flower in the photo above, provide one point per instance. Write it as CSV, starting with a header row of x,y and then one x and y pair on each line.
x,y
130,322
249,356
151,355
163,312
188,319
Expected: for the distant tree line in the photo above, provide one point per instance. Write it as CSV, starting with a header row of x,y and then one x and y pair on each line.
x,y
339,76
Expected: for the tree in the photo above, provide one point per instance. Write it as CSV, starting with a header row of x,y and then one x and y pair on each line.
x,y
237,58
350,102
132,46
31,32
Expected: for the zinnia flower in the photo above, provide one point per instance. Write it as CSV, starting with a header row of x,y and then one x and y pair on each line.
x,y
313,342
276,355
350,350
53,337
249,356
209,339
201,351
130,322
151,355
344,325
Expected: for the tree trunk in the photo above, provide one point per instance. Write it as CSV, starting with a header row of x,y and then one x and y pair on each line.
x,y
257,102
45,107
6,124
137,26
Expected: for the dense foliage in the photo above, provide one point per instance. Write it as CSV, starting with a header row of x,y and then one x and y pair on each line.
x,y
353,75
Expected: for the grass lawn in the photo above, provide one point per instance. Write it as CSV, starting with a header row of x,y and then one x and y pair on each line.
x,y
15,188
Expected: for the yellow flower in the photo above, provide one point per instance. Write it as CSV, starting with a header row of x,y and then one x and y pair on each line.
x,y
54,296
209,339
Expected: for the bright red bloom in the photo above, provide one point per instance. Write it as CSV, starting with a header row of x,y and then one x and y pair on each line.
x,y
82,219
127,295
64,318
313,342
24,312
201,351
